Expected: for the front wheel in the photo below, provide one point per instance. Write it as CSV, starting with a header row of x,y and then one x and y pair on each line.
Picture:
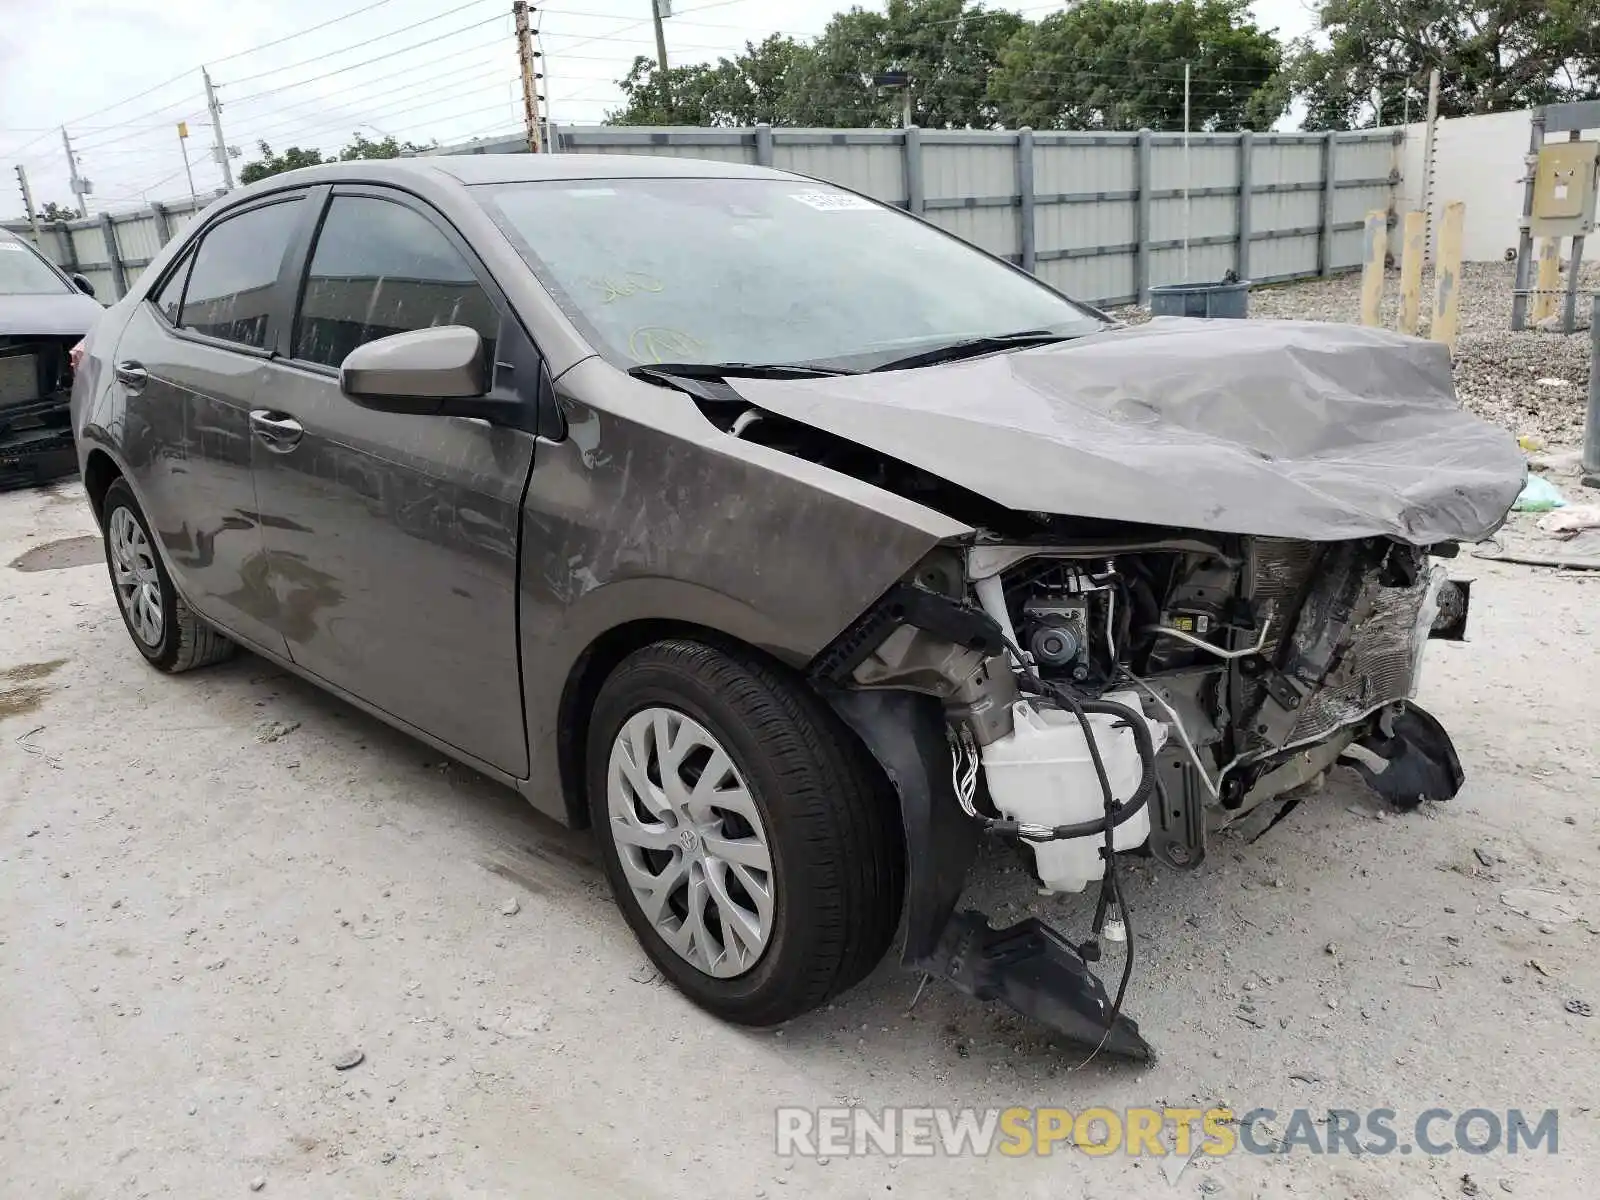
x,y
752,845
170,635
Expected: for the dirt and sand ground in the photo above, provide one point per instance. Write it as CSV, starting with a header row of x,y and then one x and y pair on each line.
x,y
214,886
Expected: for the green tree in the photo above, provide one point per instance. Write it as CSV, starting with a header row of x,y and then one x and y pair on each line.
x,y
361,147
275,164
389,147
748,89
1492,56
948,48
1118,64
57,212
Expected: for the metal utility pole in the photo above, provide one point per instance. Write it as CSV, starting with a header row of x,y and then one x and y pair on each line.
x,y
1186,278
183,146
659,11
81,187
530,86
219,151
1427,153
27,201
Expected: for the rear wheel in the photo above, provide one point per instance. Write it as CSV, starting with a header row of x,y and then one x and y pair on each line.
x,y
170,635
751,843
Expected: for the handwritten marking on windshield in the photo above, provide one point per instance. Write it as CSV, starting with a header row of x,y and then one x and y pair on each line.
x,y
630,283
657,344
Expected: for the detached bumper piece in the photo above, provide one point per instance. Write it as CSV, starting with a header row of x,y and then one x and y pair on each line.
x,y
1420,761
1033,969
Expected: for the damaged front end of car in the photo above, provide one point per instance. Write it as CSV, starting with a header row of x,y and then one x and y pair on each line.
x,y
1089,699
1204,560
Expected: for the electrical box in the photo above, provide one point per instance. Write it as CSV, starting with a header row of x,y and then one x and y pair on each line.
x,y
1564,187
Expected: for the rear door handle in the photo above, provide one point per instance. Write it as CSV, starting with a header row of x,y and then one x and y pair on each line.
x,y
279,432
131,375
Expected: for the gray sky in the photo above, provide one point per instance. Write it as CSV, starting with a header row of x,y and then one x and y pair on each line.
x,y
121,73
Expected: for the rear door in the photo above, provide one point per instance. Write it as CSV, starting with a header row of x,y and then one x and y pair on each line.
x,y
392,539
189,362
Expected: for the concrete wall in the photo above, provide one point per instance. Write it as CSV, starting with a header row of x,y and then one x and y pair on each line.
x,y
1478,160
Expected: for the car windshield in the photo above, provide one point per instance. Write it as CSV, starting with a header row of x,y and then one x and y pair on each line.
x,y
762,271
24,273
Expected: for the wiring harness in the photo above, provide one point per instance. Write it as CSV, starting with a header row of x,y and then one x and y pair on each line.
x,y
1112,905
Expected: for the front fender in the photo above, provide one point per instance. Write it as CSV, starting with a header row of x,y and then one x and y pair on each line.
x,y
646,512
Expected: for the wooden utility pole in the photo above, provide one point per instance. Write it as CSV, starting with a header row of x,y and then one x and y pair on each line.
x,y
659,10
530,77
1447,276
1375,237
1549,280
1414,248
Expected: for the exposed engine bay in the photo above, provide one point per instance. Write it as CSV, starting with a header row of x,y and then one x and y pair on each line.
x,y
1204,561
1122,696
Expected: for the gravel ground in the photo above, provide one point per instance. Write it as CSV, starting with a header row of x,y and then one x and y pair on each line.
x,y
214,887
1498,372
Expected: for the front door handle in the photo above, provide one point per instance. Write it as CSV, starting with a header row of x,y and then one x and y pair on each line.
x,y
279,432
131,375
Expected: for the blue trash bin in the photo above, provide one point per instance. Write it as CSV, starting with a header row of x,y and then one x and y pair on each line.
x,y
1201,300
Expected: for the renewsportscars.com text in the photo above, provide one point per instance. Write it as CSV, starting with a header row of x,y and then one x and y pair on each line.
x,y
1157,1132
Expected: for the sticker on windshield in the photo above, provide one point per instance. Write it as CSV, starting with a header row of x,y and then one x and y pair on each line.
x,y
834,201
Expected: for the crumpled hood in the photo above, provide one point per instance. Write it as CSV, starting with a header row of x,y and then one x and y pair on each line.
x,y
68,314
1292,429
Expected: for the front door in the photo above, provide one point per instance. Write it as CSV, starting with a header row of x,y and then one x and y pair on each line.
x,y
190,362
392,539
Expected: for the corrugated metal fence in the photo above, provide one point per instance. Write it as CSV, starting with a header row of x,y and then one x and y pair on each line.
x,y
111,250
1103,216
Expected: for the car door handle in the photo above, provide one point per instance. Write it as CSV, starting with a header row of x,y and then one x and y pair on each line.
x,y
279,432
131,375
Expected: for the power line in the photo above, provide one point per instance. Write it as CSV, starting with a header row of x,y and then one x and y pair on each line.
x,y
382,81
289,37
316,131
368,62
330,121
165,110
45,131
304,62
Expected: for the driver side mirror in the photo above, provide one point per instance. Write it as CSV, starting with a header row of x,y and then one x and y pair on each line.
x,y
81,282
420,372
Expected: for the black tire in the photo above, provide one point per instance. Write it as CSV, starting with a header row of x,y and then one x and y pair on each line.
x,y
186,640
832,825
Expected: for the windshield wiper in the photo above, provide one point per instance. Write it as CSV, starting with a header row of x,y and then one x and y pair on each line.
x,y
733,371
972,347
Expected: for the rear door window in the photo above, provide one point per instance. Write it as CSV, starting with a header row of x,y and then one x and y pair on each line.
x,y
381,268
235,271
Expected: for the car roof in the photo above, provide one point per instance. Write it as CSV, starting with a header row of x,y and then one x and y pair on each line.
x,y
520,168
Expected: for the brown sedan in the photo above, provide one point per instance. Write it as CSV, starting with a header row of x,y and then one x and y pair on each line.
x,y
791,543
